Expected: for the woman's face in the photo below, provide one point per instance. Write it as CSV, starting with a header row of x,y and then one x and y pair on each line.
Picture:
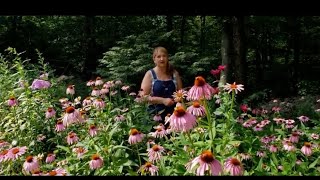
x,y
160,59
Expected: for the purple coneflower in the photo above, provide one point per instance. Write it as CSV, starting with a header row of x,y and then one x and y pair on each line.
x,y
50,113
196,109
98,81
93,130
125,88
90,82
40,84
181,120
70,90
59,126
233,87
56,172
148,168
87,101
50,158
303,118
273,148
135,136
31,164
306,149
71,115
159,133
288,146
95,92
200,90
203,164
294,138
80,151
233,166
15,152
99,103
157,117
12,101
179,95
154,153
3,143
119,117
72,138
4,155
96,162
315,136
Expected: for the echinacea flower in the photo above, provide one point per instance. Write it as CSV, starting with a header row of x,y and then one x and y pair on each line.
x,y
179,95
70,90
99,103
50,112
96,162
135,136
4,155
16,152
93,130
98,81
59,126
234,167
159,133
233,87
303,118
205,164
154,153
80,151
200,90
148,168
31,164
56,172
40,84
71,116
181,120
306,149
72,138
197,109
12,101
50,158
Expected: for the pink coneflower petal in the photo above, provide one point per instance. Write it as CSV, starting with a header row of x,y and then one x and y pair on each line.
x,y
135,136
31,164
96,162
234,167
205,163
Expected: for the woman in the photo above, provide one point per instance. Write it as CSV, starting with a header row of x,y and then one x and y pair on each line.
x,y
160,83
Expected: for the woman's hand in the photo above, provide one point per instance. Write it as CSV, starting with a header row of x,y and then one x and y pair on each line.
x,y
168,101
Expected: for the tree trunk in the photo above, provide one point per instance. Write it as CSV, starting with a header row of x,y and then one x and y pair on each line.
x,y
239,42
90,48
226,49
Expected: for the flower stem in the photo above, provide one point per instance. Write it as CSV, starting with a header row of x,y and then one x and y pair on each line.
x,y
138,155
188,134
208,114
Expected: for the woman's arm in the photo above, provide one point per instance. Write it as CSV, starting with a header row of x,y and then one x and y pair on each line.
x,y
145,88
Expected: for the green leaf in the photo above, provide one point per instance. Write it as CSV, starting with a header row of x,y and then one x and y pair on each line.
x,y
259,166
274,158
213,129
64,148
312,165
218,112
